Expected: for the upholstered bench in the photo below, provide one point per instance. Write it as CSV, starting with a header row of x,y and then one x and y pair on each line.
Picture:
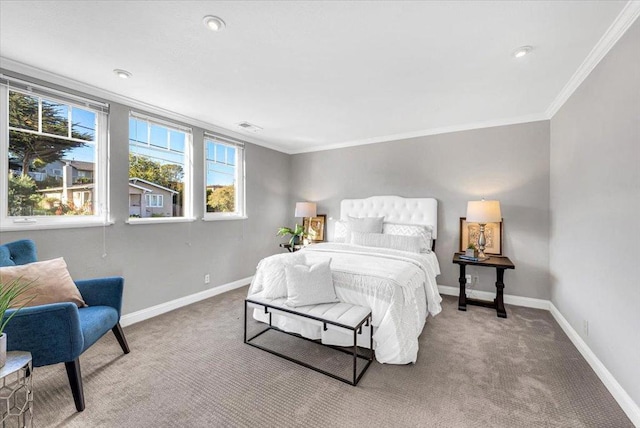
x,y
340,315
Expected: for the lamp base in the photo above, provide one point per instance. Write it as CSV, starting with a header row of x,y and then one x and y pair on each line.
x,y
481,242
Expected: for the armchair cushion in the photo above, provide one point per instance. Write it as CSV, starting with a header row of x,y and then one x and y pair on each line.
x,y
51,283
95,321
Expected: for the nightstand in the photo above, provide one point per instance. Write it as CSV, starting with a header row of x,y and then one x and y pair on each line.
x,y
292,248
500,264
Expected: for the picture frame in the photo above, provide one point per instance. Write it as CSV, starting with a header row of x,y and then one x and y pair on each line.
x,y
493,233
315,227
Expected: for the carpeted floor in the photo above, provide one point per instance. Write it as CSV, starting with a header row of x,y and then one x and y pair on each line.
x,y
190,368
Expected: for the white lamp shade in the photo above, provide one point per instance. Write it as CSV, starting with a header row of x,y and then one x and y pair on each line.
x,y
305,209
483,212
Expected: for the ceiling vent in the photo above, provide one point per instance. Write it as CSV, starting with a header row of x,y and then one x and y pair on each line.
x,y
249,127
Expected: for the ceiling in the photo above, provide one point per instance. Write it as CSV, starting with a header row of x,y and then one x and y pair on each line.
x,y
317,74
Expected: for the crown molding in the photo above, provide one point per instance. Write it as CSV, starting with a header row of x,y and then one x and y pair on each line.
x,y
56,79
426,132
620,25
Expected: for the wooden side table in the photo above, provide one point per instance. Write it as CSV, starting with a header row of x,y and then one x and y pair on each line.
x,y
16,390
498,262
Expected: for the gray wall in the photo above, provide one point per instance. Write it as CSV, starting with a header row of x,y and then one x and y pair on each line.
x,y
162,262
508,163
595,200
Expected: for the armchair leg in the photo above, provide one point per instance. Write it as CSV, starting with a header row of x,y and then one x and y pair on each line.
x,y
117,331
75,380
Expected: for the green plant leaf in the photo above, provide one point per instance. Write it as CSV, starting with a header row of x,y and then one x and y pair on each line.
x,y
9,293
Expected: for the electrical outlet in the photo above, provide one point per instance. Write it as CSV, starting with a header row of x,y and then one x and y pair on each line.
x,y
585,327
207,278
468,278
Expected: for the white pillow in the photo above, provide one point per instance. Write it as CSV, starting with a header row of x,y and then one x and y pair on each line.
x,y
424,232
340,231
365,224
310,285
395,242
274,280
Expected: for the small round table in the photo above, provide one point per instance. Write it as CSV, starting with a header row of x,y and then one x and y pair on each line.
x,y
16,390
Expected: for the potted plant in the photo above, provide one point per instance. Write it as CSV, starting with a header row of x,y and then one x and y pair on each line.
x,y
10,292
471,250
297,234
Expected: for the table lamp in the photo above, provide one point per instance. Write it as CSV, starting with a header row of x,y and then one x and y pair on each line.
x,y
305,209
483,212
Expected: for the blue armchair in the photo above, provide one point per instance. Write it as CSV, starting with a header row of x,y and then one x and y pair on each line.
x,y
60,332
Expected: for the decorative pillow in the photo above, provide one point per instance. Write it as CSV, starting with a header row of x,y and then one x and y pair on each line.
x,y
51,283
274,281
422,231
340,231
310,285
395,242
365,224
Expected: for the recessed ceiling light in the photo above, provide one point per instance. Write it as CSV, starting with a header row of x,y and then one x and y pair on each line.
x,y
213,23
522,51
123,74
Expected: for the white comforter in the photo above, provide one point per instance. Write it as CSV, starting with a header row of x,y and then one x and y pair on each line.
x,y
399,287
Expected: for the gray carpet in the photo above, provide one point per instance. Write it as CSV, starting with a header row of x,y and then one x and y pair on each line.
x,y
190,368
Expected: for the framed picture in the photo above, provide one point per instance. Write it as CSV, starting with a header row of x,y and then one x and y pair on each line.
x,y
469,232
314,227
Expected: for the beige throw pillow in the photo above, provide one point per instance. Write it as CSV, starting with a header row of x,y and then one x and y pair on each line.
x,y
51,283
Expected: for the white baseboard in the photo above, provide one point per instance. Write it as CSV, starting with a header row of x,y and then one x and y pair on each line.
x,y
154,311
627,404
619,394
528,302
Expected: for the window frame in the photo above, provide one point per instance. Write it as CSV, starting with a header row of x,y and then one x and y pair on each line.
x,y
187,201
240,176
101,214
149,196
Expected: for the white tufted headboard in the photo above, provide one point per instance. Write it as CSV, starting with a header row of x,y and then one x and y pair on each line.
x,y
395,209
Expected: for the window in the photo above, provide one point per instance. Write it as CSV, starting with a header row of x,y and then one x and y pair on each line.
x,y
154,201
52,136
159,166
224,177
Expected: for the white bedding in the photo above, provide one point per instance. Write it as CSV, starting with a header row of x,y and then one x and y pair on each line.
x,y
399,287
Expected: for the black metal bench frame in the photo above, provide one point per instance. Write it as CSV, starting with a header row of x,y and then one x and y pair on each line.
x,y
366,321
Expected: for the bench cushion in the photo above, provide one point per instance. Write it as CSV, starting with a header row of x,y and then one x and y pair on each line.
x,y
342,313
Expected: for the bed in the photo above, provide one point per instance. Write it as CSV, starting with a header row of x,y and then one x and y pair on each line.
x,y
399,286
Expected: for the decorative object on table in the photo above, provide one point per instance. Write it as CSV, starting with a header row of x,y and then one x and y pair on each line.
x,y
61,332
470,233
305,210
471,250
11,292
16,390
483,212
473,258
314,227
297,234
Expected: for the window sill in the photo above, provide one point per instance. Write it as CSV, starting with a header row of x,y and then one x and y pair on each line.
x,y
225,217
10,226
158,220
